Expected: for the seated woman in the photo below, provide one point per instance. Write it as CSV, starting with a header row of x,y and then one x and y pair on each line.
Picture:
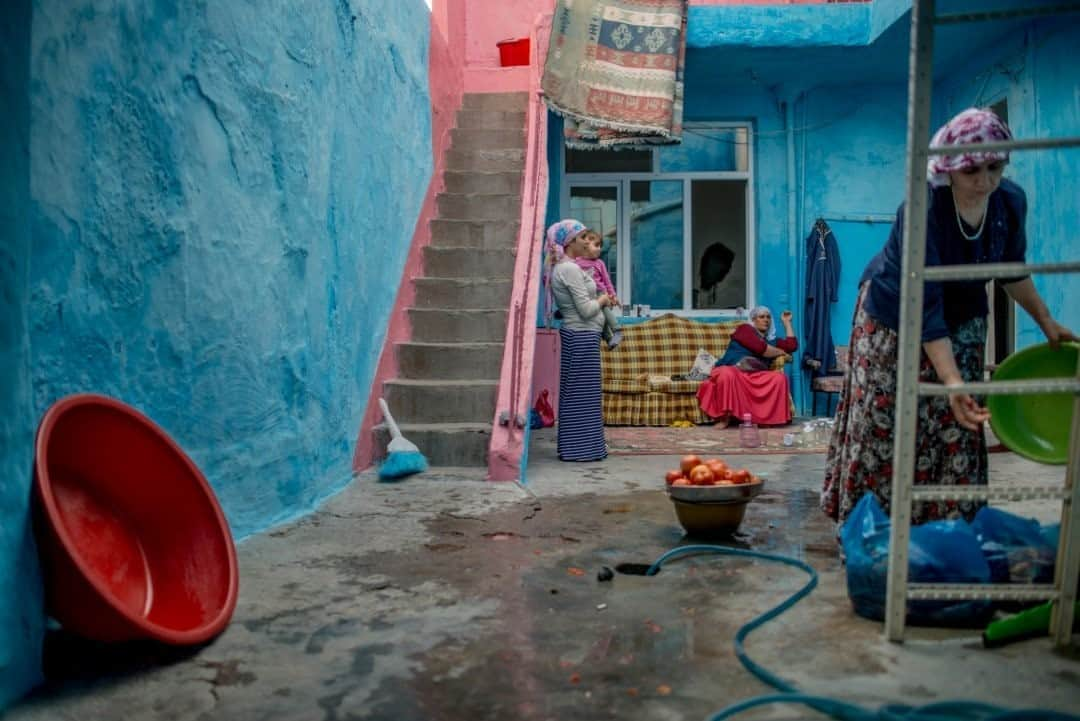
x,y
742,383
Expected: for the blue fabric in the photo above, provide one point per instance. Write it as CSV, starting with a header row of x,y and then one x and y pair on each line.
x,y
947,306
735,352
822,283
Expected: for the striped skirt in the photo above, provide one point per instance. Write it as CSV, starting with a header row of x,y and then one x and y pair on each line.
x,y
581,419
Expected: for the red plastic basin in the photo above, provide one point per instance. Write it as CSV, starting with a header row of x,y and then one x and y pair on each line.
x,y
133,542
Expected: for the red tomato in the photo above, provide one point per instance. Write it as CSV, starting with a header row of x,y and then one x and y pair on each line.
x,y
672,476
680,481
740,476
719,468
688,462
701,475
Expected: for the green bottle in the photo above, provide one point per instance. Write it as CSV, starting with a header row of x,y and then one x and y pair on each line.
x,y
1031,623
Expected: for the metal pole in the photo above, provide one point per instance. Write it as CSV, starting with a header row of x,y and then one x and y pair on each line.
x,y
920,84
1067,566
1006,145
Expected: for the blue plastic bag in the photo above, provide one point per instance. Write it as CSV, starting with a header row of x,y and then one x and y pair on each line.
x,y
1016,548
940,552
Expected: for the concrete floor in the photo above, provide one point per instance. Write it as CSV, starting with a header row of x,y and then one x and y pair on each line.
x,y
446,597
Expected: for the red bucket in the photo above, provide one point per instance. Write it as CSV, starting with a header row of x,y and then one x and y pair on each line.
x,y
513,52
133,542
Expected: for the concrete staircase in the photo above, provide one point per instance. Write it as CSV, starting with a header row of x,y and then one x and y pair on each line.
x,y
444,399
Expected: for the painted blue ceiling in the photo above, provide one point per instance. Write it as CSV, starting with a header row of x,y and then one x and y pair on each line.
x,y
792,48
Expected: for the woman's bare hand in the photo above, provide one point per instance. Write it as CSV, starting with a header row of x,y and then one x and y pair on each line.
x,y
968,412
1056,333
786,316
604,300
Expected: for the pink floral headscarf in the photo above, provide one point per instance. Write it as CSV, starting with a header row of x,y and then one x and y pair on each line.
x,y
556,238
974,125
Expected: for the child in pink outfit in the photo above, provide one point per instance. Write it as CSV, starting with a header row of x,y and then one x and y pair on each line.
x,y
598,271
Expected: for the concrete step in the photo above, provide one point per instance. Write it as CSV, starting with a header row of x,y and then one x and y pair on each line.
x,y
487,161
470,139
494,119
503,102
449,262
443,444
474,233
478,206
457,182
435,325
450,361
475,293
441,401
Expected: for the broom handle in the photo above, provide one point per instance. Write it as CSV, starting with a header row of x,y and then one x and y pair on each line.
x,y
394,430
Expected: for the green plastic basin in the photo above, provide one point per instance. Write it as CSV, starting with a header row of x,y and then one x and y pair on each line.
x,y
1035,426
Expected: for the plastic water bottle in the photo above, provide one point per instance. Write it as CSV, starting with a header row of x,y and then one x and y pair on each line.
x,y
748,433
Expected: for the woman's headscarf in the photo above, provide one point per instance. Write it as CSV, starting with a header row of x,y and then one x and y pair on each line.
x,y
770,335
556,238
974,125
561,233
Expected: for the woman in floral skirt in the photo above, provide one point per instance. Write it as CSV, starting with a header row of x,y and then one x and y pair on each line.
x,y
973,216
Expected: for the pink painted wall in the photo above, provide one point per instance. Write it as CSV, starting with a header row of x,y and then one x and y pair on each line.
x,y
546,365
446,84
489,21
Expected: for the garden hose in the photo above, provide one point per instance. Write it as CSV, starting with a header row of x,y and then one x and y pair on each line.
x,y
789,693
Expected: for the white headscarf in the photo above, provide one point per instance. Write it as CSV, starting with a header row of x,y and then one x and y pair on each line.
x,y
757,310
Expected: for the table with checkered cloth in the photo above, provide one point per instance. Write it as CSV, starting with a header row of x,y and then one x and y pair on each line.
x,y
636,376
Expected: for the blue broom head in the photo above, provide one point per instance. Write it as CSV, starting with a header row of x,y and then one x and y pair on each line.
x,y
402,463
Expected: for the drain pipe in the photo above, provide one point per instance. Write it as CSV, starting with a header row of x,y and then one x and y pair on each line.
x,y
793,252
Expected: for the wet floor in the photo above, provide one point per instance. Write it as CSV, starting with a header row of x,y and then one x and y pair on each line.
x,y
444,597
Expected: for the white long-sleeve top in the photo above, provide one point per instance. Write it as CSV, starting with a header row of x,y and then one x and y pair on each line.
x,y
575,295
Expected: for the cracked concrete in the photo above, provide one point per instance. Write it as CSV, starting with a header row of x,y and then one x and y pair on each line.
x,y
447,597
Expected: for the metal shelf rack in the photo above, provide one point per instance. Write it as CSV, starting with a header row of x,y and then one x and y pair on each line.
x,y
913,275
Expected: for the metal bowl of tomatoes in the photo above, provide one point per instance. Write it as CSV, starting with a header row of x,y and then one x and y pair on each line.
x,y
710,496
718,493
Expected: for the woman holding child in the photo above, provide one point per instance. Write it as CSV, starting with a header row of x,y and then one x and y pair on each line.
x,y
580,422
742,383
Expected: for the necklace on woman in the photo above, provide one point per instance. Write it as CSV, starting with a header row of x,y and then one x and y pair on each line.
x,y
960,221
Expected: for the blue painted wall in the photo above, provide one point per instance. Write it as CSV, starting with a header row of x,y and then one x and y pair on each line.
x,y
221,199
851,167
20,579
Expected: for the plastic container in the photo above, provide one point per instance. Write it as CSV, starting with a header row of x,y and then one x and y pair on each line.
x,y
709,519
712,511
513,52
748,433
1035,426
133,542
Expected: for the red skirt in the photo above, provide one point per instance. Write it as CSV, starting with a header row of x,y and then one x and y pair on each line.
x,y
732,392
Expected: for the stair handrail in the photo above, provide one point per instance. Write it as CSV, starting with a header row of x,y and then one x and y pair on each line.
x,y
510,425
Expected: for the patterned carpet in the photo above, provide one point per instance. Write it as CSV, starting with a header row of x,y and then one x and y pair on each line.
x,y
708,440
